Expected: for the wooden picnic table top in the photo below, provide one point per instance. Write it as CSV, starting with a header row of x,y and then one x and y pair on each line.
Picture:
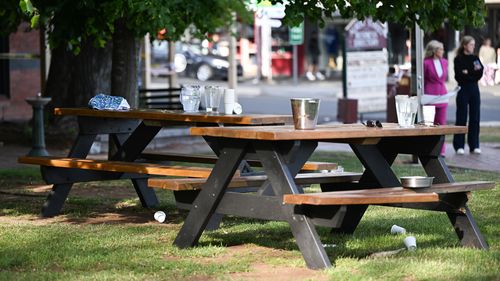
x,y
179,116
325,132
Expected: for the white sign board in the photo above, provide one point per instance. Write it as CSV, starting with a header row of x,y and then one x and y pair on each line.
x,y
367,79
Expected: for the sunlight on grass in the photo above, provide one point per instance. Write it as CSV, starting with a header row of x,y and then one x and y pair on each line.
x,y
71,247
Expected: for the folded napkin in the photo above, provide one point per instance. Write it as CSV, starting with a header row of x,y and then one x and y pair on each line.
x,y
107,102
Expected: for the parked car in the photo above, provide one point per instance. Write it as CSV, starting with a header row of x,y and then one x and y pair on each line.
x,y
191,61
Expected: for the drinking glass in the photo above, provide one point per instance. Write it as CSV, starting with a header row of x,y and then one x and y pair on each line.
x,y
191,97
406,109
213,96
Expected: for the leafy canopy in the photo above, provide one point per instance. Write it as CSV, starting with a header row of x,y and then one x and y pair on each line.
x,y
429,14
10,16
72,22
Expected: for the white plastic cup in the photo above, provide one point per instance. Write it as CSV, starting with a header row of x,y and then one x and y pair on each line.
x,y
428,112
410,243
229,100
396,229
160,216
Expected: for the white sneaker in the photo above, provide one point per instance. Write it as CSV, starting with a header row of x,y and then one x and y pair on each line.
x,y
460,151
476,151
310,76
320,76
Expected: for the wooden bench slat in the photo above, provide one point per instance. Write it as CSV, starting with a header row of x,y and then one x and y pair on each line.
x,y
385,195
211,159
178,184
361,197
117,166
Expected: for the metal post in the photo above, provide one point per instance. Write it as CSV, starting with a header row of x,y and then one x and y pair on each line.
x,y
419,62
232,80
38,103
146,73
295,65
172,78
344,68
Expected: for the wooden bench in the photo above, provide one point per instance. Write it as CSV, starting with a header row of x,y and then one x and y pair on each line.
x,y
164,98
178,184
117,166
384,195
211,159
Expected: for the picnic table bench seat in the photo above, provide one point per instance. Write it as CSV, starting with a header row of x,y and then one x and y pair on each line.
x,y
211,159
178,184
117,166
385,195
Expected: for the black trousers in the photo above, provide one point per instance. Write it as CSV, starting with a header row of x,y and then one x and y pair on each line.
x,y
468,103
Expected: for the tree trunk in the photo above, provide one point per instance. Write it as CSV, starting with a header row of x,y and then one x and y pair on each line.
x,y
125,64
73,80
59,78
91,74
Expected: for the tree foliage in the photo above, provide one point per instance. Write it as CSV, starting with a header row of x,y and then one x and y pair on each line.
x,y
72,22
95,43
429,14
10,16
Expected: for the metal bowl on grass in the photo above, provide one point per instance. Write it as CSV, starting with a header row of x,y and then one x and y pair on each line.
x,y
416,182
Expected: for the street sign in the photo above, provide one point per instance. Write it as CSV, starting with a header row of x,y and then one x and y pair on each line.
x,y
296,35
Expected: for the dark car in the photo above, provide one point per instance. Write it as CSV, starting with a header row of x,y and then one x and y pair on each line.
x,y
191,61
206,66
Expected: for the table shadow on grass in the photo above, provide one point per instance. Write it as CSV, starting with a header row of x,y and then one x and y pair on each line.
x,y
432,230
109,204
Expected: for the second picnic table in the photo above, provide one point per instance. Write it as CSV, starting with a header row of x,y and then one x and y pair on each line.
x,y
340,207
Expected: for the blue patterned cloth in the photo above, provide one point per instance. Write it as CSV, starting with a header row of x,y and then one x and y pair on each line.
x,y
107,102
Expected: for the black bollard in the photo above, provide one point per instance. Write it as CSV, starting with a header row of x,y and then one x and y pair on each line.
x,y
38,131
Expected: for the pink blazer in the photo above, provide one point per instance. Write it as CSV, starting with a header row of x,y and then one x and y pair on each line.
x,y
433,84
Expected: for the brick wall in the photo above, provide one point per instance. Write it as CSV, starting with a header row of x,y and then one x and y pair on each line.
x,y
24,75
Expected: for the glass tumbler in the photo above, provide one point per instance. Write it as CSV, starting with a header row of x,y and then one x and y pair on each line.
x,y
213,95
190,98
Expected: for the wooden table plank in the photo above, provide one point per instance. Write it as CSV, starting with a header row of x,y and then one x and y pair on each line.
x,y
179,116
325,132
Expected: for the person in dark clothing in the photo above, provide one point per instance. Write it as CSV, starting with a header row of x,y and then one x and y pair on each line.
x,y
313,54
468,70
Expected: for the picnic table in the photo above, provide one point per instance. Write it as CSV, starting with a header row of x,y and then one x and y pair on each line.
x,y
130,131
340,207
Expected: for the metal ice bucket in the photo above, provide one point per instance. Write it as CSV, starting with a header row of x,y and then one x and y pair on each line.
x,y
305,113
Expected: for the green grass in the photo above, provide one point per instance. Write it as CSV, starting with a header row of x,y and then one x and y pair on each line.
x,y
77,246
487,134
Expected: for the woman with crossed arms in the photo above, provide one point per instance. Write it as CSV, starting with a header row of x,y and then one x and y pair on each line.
x,y
435,74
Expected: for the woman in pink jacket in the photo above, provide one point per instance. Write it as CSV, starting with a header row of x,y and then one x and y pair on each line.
x,y
435,74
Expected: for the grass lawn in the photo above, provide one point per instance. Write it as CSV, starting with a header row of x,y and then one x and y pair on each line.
x,y
104,234
487,134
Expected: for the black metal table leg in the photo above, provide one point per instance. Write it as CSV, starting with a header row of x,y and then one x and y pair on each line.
x,y
129,147
293,160
281,178
463,222
206,202
57,196
467,230
55,200
147,195
378,173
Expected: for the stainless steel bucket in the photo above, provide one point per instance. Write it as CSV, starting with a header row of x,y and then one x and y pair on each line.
x,y
305,113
